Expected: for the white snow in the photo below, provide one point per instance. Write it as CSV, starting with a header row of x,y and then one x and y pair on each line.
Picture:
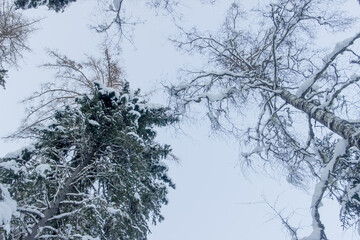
x,y
137,116
10,165
135,135
42,168
137,196
154,105
70,154
339,46
163,164
112,210
257,149
7,209
305,85
354,76
117,4
126,97
65,214
87,237
17,153
141,106
135,113
130,105
181,86
340,149
315,235
31,210
60,128
94,123
106,90
214,97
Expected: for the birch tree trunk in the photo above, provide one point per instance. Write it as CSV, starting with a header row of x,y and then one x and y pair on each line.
x,y
339,126
256,72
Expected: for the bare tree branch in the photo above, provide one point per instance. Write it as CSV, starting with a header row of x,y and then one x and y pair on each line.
x,y
14,32
277,73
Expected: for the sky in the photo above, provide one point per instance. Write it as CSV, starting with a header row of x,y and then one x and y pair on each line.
x,y
213,199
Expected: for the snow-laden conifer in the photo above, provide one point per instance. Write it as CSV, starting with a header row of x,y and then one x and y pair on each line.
x,y
94,172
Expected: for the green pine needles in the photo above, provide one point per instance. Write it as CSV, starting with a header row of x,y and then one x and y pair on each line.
x,y
95,172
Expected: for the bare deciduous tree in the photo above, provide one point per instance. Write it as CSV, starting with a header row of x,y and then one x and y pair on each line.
x,y
73,80
306,98
14,32
113,14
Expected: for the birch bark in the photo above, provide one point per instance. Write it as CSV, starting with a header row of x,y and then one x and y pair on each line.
x,y
336,124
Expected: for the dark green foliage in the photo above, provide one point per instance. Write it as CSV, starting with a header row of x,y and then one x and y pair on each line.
x,y
57,5
121,184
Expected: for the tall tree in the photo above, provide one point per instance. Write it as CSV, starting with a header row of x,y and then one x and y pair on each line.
x,y
304,96
94,172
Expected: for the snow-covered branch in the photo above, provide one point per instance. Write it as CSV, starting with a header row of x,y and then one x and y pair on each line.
x,y
340,48
278,74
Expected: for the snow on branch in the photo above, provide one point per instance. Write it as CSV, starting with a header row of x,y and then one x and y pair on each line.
x,y
338,50
248,85
318,232
31,210
8,208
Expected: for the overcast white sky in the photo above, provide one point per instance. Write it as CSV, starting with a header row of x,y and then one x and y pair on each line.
x,y
212,197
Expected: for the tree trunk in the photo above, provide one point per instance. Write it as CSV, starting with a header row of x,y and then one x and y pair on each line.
x,y
54,207
339,126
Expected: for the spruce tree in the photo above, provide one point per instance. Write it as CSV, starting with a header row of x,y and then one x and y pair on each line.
x,y
94,172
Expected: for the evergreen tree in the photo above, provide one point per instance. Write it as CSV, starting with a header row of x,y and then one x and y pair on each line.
x,y
95,172
57,5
